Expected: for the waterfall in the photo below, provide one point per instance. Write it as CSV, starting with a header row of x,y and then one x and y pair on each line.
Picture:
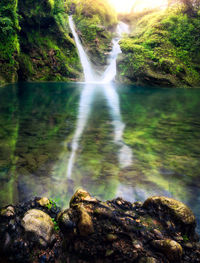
x,y
111,70
87,69
86,99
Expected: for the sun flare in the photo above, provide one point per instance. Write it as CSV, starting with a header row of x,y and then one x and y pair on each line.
x,y
125,6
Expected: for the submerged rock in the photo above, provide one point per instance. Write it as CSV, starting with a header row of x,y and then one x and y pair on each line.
x,y
39,227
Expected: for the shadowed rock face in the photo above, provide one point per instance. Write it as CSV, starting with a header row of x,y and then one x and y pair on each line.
x,y
179,210
95,231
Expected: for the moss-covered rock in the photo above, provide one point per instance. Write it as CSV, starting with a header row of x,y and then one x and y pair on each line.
x,y
162,49
170,248
35,44
177,209
39,227
47,51
85,225
9,43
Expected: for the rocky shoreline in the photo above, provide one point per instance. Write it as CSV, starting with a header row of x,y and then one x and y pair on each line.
x,y
159,230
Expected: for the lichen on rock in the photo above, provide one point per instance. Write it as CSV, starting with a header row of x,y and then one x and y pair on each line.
x,y
39,227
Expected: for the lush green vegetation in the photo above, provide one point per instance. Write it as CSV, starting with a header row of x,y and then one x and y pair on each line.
x,y
94,20
35,42
47,51
9,45
164,48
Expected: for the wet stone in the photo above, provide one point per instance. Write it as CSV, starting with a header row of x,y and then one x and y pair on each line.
x,y
8,212
85,224
147,260
64,221
177,209
38,227
44,201
172,250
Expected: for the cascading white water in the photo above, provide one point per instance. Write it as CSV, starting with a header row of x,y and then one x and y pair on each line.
x,y
87,69
125,153
111,70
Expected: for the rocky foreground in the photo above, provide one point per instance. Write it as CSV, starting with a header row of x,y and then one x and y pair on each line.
x,y
159,230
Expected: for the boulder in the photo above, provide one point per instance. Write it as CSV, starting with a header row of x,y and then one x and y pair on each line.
x,y
170,248
38,227
179,211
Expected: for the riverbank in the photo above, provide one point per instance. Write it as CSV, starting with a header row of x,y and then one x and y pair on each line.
x,y
159,230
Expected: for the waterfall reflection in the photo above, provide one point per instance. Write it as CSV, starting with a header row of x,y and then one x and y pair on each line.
x,y
83,114
125,152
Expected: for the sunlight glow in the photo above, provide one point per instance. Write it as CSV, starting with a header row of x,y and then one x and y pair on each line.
x,y
125,6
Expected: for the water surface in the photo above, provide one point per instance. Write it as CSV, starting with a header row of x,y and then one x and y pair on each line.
x,y
161,127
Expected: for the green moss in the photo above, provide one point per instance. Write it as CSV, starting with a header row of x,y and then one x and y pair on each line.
x,y
9,45
49,52
163,49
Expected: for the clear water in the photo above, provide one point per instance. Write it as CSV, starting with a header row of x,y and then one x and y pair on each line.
x,y
37,125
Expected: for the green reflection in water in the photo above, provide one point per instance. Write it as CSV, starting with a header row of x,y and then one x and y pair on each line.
x,y
37,123
9,125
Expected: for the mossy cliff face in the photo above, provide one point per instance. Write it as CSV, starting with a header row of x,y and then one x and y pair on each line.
x,y
95,21
35,43
9,44
163,49
47,51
